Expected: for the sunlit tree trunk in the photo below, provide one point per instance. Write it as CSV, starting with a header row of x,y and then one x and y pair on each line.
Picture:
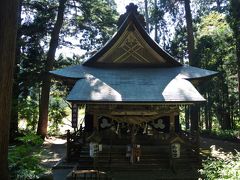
x,y
8,26
44,101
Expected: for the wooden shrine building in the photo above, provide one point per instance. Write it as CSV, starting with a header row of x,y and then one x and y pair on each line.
x,y
132,91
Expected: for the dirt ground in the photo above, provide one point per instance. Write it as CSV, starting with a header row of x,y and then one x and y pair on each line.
x,y
225,146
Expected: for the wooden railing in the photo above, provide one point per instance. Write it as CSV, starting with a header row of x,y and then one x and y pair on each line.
x,y
191,139
75,142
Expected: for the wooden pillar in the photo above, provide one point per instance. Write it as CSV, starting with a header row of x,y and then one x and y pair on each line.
x,y
187,117
133,144
194,118
95,122
172,124
68,145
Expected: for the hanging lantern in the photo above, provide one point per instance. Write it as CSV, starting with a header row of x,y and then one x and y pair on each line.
x,y
117,130
93,149
175,150
145,129
138,152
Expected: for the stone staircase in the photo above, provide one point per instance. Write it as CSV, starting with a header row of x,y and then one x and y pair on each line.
x,y
111,163
113,157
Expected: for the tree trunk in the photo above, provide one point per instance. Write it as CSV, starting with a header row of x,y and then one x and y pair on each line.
x,y
8,16
238,64
194,113
235,23
226,105
146,15
206,109
16,90
190,37
44,101
155,25
218,5
192,61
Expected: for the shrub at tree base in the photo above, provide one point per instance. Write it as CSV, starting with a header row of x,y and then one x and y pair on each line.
x,y
24,159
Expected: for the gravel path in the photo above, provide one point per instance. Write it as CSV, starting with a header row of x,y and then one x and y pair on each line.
x,y
54,151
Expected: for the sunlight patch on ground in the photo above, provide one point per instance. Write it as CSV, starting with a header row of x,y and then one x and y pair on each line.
x,y
219,153
51,160
53,140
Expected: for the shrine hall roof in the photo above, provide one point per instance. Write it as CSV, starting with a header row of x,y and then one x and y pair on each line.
x,y
158,85
131,67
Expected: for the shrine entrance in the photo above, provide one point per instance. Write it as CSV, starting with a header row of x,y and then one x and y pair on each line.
x,y
142,134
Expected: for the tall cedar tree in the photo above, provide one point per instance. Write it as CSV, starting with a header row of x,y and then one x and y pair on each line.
x,y
194,109
16,91
8,16
44,101
235,25
146,15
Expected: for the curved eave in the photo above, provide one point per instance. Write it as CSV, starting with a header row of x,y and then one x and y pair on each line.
x,y
62,77
137,102
185,72
171,62
196,74
69,73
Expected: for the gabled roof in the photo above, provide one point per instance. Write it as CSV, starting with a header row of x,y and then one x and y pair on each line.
x,y
131,46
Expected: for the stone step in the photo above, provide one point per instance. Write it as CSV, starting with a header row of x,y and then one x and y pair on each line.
x,y
133,167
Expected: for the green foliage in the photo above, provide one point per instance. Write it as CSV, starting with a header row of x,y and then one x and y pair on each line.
x,y
234,17
28,110
215,51
24,159
57,112
225,166
94,20
31,139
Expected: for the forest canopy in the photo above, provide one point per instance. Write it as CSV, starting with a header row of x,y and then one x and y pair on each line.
x,y
202,33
